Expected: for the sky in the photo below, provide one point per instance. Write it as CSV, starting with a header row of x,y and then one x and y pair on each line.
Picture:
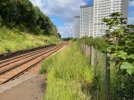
x,y
62,12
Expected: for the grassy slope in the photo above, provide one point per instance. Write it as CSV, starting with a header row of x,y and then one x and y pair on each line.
x,y
12,40
68,71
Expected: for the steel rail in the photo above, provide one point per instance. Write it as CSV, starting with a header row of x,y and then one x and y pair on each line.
x,y
35,60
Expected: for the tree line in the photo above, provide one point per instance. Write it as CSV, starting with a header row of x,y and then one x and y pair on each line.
x,y
23,15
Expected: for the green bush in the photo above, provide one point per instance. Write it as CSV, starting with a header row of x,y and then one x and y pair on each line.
x,y
98,42
21,14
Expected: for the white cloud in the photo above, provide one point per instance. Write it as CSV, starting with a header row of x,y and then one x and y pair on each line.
x,y
131,3
65,9
67,30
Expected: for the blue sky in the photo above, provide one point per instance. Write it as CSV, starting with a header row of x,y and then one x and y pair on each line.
x,y
61,12
60,22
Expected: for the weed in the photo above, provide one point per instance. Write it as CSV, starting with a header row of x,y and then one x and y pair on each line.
x,y
67,71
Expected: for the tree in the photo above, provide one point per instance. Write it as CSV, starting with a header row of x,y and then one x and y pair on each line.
x,y
120,37
23,15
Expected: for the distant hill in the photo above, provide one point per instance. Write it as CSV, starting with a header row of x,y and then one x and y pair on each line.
x,y
21,14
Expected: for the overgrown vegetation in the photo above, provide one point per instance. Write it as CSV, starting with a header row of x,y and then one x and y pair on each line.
x,y
120,37
119,43
12,40
21,14
24,26
98,42
96,48
69,75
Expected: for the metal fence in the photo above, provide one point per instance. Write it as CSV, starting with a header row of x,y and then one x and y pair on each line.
x,y
110,84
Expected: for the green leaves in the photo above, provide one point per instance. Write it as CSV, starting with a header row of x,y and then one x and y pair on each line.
x,y
121,41
116,14
128,67
98,42
122,54
120,38
21,14
131,56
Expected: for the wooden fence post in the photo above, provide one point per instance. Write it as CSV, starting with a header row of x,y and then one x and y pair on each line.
x,y
92,56
107,81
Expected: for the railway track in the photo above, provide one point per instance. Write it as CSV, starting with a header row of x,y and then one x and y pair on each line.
x,y
15,66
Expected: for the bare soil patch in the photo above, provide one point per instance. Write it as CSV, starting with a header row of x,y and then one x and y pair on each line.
x,y
32,89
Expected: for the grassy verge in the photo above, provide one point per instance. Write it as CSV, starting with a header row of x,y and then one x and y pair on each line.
x,y
69,75
12,40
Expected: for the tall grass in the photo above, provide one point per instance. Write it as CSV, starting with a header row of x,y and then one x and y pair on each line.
x,y
12,40
69,75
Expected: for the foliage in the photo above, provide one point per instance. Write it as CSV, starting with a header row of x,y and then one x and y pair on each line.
x,y
69,75
67,39
120,37
23,15
98,42
119,42
21,40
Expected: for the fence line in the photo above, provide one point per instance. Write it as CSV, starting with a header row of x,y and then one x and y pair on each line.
x,y
109,84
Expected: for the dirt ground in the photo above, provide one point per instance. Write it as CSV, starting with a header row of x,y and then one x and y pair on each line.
x,y
32,89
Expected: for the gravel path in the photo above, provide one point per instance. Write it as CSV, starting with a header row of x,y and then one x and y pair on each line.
x,y
32,89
